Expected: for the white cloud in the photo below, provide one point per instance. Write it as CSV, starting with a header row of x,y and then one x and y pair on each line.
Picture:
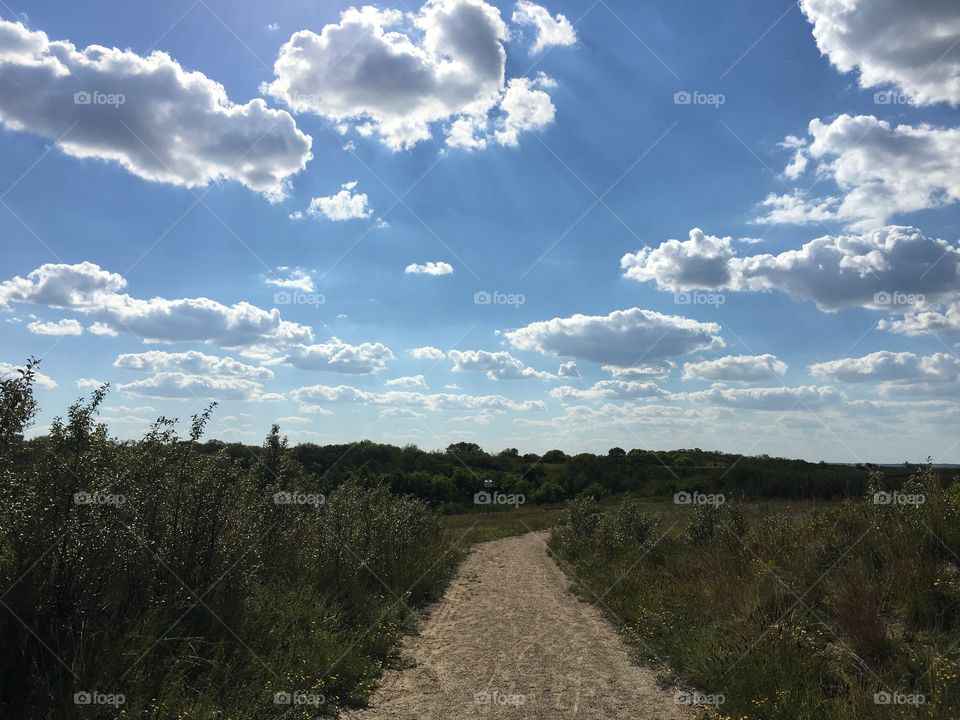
x,y
294,420
338,356
292,279
736,368
701,261
159,121
653,371
395,74
272,27
102,329
497,365
44,381
88,383
568,370
610,390
623,338
86,288
780,399
882,170
897,373
427,353
798,165
913,45
60,327
896,269
326,394
191,363
345,205
410,381
429,268
179,386
524,107
551,30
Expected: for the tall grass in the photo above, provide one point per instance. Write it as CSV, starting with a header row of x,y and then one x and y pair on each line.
x,y
817,615
183,582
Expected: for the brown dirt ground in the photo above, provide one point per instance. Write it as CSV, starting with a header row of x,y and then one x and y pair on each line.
x,y
509,640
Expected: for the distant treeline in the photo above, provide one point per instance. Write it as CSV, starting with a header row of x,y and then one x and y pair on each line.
x,y
450,478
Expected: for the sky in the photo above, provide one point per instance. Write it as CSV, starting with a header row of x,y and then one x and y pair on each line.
x,y
574,225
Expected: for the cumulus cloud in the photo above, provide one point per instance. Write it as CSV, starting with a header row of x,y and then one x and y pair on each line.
x,y
881,169
292,279
652,371
327,394
525,106
896,269
102,329
190,362
338,356
913,45
497,365
624,338
409,381
610,390
427,353
897,373
429,268
44,381
550,30
345,205
395,74
60,327
568,370
736,368
701,261
86,288
806,397
88,383
180,386
160,122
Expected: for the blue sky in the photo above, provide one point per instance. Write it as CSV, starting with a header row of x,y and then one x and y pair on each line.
x,y
770,267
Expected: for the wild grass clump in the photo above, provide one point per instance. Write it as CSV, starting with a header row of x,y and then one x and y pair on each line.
x,y
195,585
850,612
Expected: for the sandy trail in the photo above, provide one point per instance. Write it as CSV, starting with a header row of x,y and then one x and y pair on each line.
x,y
509,640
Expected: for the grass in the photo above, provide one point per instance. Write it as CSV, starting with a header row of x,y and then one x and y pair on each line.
x,y
785,611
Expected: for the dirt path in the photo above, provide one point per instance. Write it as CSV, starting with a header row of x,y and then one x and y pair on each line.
x,y
510,641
